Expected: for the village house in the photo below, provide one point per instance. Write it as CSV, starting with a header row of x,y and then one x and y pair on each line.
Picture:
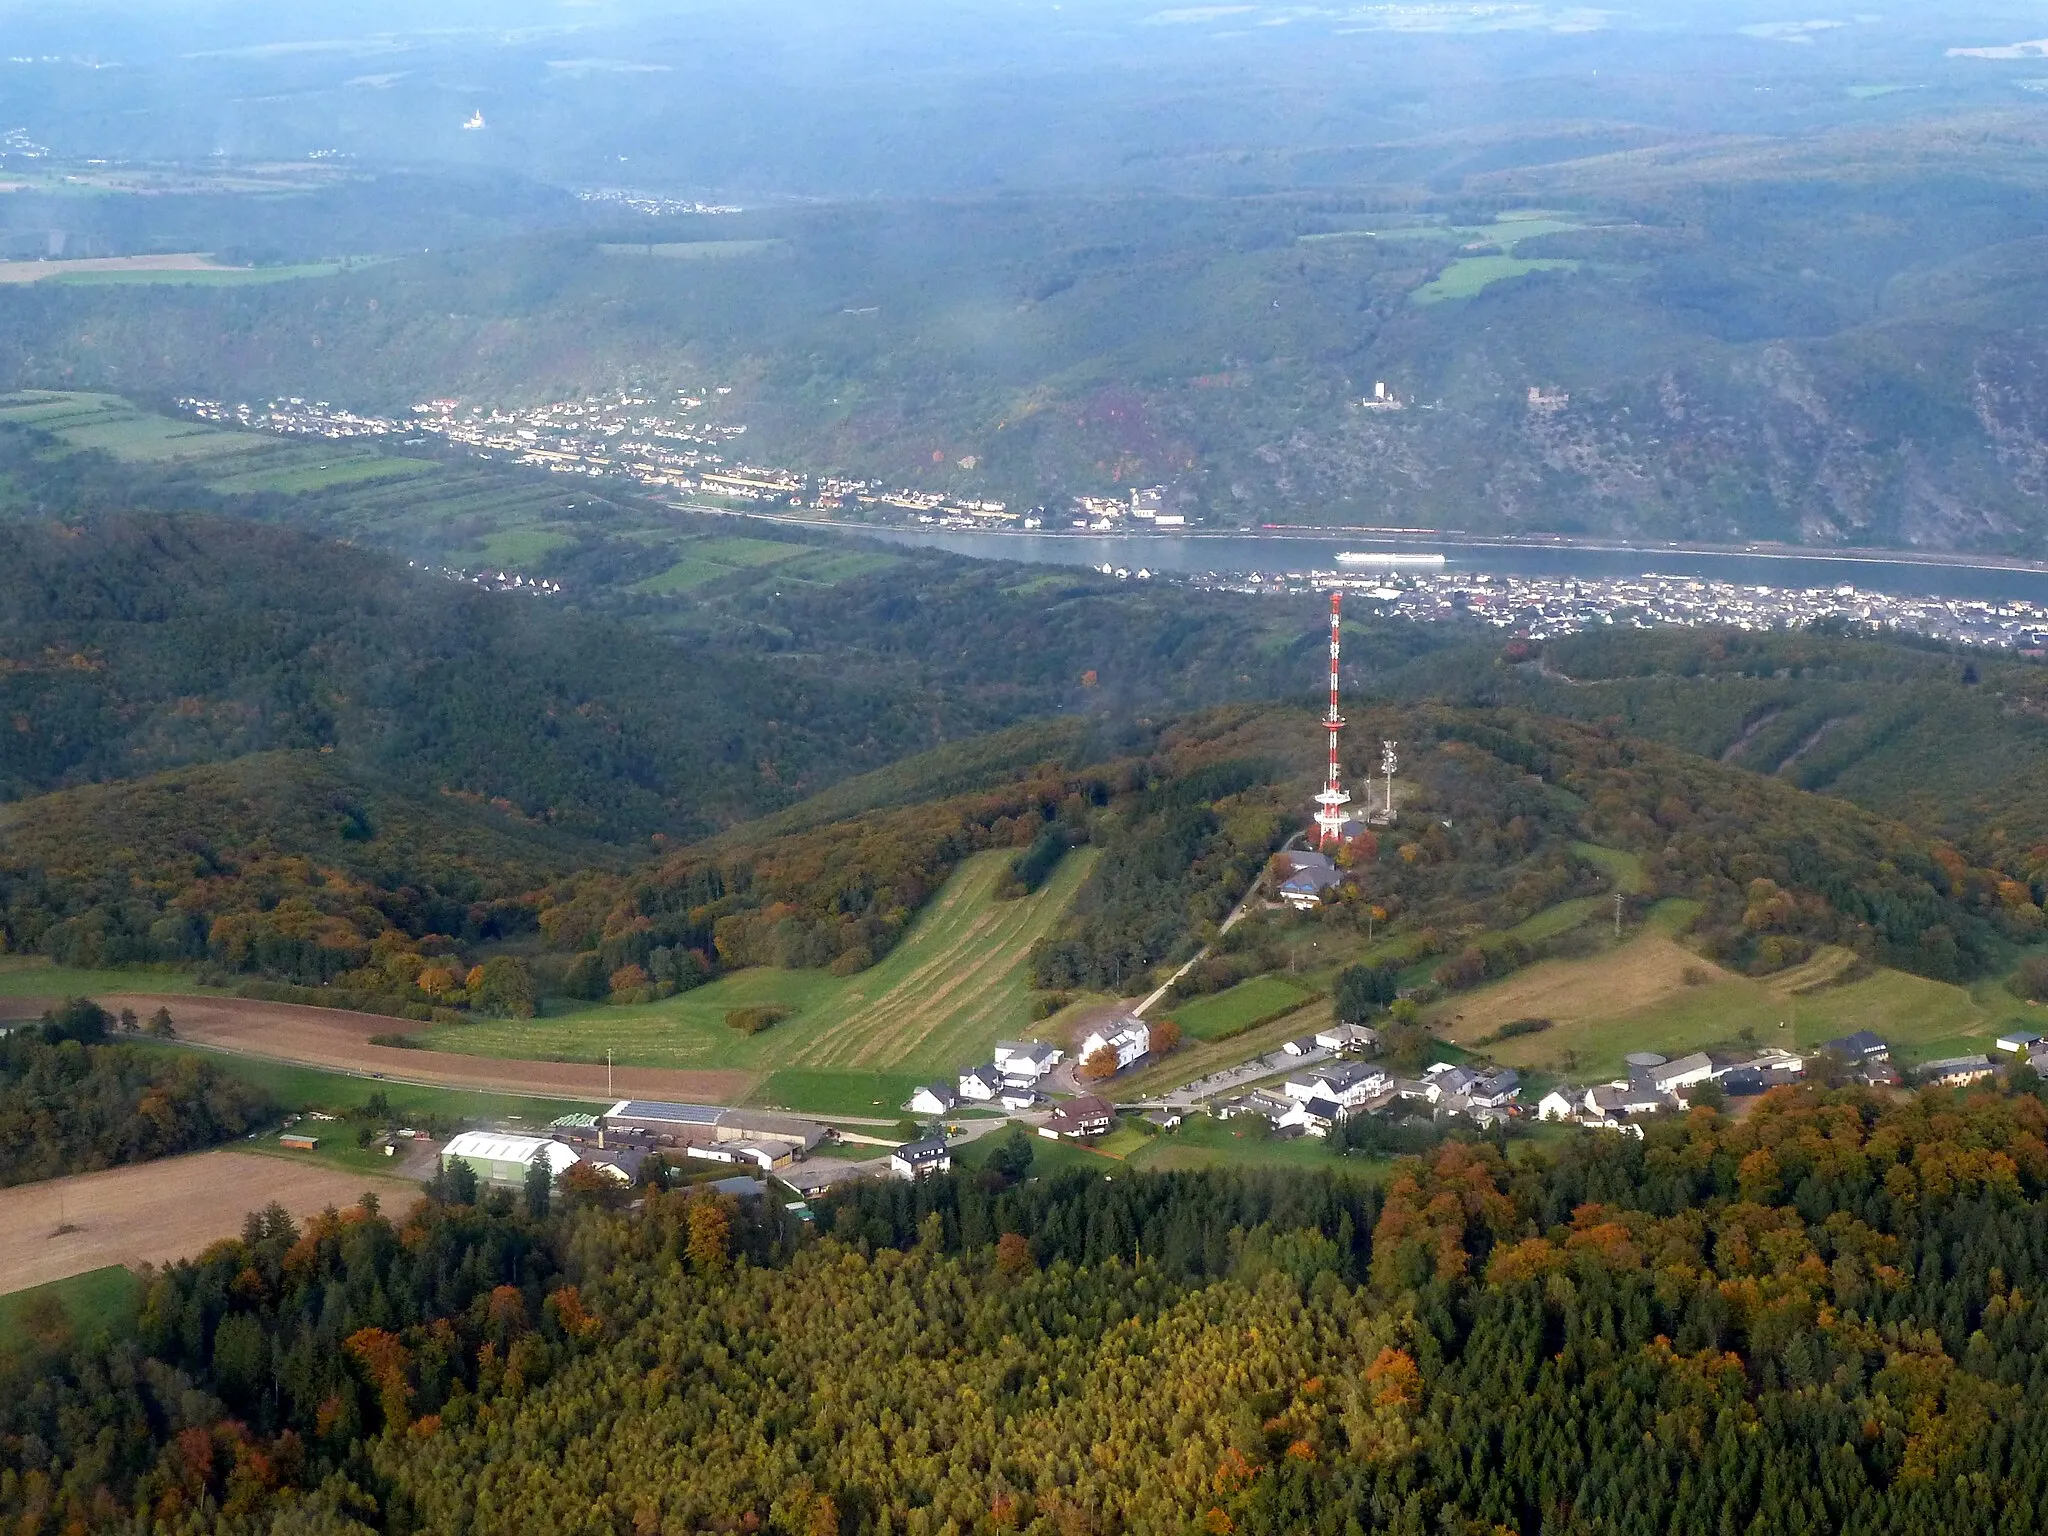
x,y
2013,1041
1347,1084
933,1099
981,1084
921,1159
1957,1071
1127,1036
1860,1049
1302,879
1485,1090
1259,1101
1026,1059
1349,1038
1314,1117
1078,1118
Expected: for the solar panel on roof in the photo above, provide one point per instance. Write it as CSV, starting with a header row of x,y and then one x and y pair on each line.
x,y
675,1114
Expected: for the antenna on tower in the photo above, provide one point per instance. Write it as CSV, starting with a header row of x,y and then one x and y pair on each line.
x,y
1330,818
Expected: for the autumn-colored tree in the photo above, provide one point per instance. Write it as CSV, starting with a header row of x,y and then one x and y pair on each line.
x,y
1099,1065
1165,1037
1013,1254
437,981
710,1236
385,1361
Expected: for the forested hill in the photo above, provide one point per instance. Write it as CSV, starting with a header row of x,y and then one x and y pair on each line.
x,y
139,642
1821,1317
1952,741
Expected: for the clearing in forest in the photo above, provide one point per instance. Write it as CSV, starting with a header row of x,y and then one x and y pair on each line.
x,y
1577,996
935,1004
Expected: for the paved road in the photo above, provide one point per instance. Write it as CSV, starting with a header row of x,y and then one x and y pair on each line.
x,y
1233,1079
1229,923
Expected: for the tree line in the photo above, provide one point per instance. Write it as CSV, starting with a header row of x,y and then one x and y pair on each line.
x,y
1819,1317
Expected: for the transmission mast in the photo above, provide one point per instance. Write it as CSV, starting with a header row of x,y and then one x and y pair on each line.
x,y
1330,817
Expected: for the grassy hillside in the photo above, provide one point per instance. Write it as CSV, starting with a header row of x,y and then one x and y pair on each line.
x,y
953,986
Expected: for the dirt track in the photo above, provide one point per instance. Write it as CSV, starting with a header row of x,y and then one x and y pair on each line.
x,y
155,1212
340,1041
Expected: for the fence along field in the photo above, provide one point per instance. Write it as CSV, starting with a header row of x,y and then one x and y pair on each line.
x,y
937,1003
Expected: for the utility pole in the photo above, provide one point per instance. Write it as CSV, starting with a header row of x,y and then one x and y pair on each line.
x,y
608,1072
1617,914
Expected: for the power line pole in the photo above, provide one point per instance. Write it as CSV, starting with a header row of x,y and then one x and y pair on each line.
x,y
1617,914
608,1093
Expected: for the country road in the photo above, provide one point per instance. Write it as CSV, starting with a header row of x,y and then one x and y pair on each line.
x,y
337,1040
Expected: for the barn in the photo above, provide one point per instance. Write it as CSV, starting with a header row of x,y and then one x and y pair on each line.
x,y
497,1158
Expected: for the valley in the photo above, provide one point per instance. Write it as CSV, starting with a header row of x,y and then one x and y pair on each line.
x,y
799,770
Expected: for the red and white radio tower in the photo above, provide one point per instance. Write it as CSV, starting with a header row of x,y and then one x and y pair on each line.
x,y
1330,817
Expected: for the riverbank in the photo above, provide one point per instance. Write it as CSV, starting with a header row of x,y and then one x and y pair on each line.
x,y
1402,539
1286,551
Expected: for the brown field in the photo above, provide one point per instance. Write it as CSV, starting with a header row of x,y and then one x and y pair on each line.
x,y
36,271
156,1212
339,1040
1640,974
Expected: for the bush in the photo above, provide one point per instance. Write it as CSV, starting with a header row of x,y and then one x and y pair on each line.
x,y
1045,1004
751,1021
1520,1027
853,962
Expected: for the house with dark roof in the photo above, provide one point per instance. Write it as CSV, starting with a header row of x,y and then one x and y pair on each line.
x,y
1860,1048
1345,1083
1316,1116
1078,1118
1957,1071
981,1084
1302,879
921,1159
933,1099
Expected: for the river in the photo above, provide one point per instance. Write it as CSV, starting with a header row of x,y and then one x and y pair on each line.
x,y
1277,554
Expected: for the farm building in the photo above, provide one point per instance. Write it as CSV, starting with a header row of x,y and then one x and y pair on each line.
x,y
693,1125
496,1158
